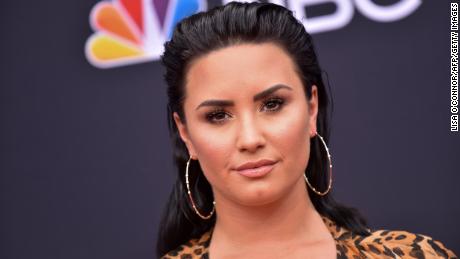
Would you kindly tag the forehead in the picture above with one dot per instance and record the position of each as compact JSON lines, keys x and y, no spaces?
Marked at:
{"x":239,"y":69}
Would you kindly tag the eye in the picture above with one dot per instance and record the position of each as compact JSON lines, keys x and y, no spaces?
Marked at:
{"x":216,"y":116}
{"x":273,"y":104}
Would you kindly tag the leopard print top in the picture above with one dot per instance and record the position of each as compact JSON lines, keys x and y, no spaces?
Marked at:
{"x":380,"y":244}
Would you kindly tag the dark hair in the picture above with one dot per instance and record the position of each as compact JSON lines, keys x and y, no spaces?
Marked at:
{"x":223,"y":26}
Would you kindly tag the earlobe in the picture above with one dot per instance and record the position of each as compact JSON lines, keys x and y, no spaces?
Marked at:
{"x":313,"y":110}
{"x":180,"y":127}
{"x":177,"y":120}
{"x":183,"y":133}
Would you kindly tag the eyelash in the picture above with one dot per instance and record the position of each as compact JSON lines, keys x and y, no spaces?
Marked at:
{"x":212,"y":115}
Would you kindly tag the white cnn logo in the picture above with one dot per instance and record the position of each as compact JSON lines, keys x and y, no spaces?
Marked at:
{"x":345,"y":11}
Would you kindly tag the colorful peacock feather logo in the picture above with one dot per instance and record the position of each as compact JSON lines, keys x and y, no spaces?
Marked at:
{"x":133,"y":31}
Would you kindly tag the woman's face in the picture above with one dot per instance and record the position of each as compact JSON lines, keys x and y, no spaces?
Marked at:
{"x":246,"y":103}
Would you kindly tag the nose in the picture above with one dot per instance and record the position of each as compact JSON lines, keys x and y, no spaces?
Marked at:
{"x":250,"y":135}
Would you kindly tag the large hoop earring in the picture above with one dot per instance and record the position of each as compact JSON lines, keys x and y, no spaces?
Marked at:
{"x":330,"y":170}
{"x":190,"y":195}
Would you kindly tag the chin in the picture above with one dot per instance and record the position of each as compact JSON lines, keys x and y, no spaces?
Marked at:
{"x":258,"y":195}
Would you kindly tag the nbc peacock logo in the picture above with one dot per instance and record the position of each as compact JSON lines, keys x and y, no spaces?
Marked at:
{"x":134,"y":31}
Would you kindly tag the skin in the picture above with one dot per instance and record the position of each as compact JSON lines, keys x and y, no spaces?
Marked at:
{"x":270,"y":216}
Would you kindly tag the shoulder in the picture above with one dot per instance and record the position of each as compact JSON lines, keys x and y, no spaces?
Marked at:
{"x":194,"y":248}
{"x":386,"y":244}
{"x":402,"y":244}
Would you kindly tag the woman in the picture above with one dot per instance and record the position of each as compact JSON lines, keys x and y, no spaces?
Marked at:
{"x":248,"y":117}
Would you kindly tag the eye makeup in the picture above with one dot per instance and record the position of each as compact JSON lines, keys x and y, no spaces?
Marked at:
{"x":271,"y":104}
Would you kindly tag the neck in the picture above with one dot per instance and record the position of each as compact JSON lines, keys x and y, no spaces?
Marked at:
{"x":292,"y":218}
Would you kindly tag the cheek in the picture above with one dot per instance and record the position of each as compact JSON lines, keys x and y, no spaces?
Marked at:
{"x":213,"y":150}
{"x":292,"y":139}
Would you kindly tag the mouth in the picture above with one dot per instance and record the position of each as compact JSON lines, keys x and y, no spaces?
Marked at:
{"x":257,"y":169}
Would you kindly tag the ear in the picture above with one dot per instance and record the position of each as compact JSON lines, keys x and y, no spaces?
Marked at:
{"x":183,"y":132}
{"x":313,"y":111}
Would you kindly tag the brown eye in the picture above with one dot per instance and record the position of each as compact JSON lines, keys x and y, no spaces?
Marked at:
{"x":217,"y":116}
{"x":273,"y":104}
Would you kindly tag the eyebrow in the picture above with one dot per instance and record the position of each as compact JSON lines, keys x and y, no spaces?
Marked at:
{"x":261,"y":95}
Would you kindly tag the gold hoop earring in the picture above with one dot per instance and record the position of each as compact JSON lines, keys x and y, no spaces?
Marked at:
{"x":190,"y":195}
{"x":330,"y":170}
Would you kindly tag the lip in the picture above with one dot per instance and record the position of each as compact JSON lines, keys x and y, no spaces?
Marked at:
{"x":256,"y":164}
{"x":256,"y":169}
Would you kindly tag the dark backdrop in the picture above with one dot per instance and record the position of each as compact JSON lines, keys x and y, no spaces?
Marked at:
{"x":86,"y":162}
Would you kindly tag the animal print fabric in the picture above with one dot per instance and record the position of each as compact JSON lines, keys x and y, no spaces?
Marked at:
{"x":380,"y":244}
